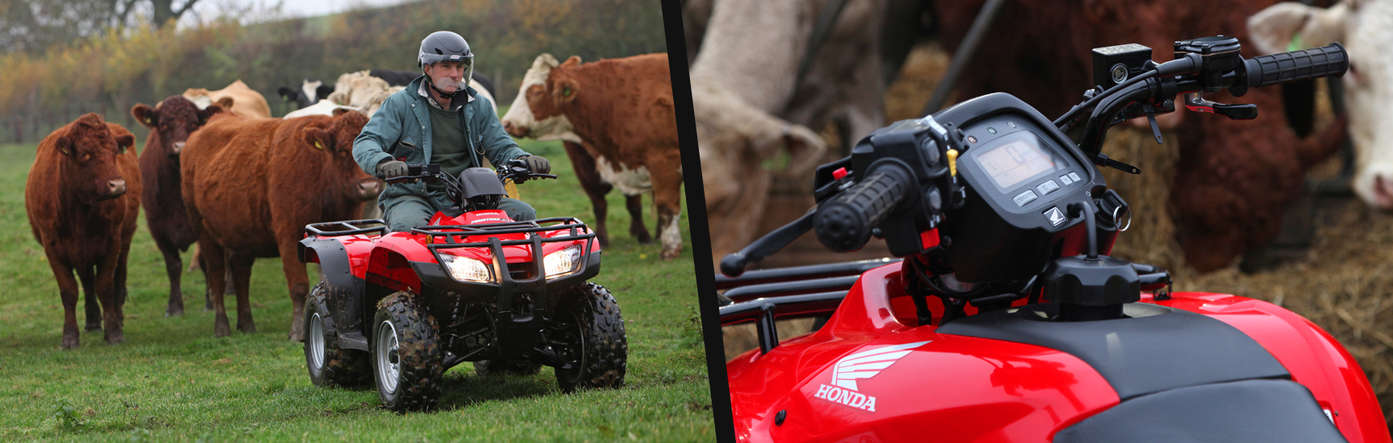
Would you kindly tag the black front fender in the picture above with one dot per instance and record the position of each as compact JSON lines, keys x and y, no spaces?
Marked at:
{"x":333,"y":263}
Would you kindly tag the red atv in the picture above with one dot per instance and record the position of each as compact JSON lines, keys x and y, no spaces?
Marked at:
{"x":1005,"y":320}
{"x":473,"y":285}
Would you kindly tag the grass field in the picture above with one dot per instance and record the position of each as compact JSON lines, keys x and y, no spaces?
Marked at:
{"x":172,"y":380}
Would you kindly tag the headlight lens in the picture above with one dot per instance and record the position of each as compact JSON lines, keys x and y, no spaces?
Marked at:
{"x":562,"y":262}
{"x":466,"y":269}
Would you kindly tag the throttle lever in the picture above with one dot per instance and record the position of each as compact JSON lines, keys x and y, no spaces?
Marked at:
{"x":1195,"y":103}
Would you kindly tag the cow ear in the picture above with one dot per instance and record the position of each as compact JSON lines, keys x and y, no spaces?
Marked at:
{"x":145,"y":115}
{"x":286,"y":93}
{"x":65,"y":145}
{"x":323,"y":91}
{"x":805,"y":148}
{"x":123,"y":142}
{"x":565,"y":91}
{"x":572,"y":61}
{"x":318,"y":138}
{"x":1290,"y":26}
{"x":207,"y":113}
{"x":225,"y":102}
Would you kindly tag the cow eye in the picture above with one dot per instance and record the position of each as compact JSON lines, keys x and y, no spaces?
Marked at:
{"x":85,"y":157}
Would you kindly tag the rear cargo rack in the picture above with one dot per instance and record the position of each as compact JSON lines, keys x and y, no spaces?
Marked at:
{"x":347,"y":227}
{"x":765,"y":295}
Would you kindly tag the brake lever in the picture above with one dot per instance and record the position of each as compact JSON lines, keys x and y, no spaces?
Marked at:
{"x":1247,"y":111}
{"x":1104,"y":160}
{"x":1155,"y":128}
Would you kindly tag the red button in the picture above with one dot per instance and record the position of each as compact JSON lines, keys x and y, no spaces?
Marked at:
{"x":929,"y":238}
{"x":839,"y":174}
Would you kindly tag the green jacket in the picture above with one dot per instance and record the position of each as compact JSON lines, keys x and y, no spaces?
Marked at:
{"x":405,"y":117}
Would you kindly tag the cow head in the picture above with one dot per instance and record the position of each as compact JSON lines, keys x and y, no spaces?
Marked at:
{"x":1361,"y":26}
{"x":310,"y":92}
{"x":171,"y":121}
{"x":333,"y":139}
{"x":740,"y":148}
{"x":87,"y":149}
{"x":536,"y":111}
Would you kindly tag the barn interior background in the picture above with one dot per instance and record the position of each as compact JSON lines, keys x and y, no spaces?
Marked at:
{"x":79,"y":56}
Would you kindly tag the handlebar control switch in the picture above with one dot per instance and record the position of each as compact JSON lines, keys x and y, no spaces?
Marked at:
{"x":1115,"y":64}
{"x":1219,"y":57}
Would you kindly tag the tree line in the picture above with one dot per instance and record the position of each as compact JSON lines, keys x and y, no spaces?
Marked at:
{"x":112,"y":69}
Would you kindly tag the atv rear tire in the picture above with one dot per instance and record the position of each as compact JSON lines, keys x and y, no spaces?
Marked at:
{"x":489,"y":368}
{"x":592,"y":340}
{"x":405,"y":354}
{"x":328,"y":364}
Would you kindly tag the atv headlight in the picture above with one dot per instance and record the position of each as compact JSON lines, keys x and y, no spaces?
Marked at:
{"x":562,"y":262}
{"x":466,"y":269}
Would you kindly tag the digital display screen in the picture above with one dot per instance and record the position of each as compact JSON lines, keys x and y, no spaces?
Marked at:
{"x":1011,"y":163}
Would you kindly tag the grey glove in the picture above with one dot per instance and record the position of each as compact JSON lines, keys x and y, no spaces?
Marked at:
{"x":391,"y":168}
{"x":537,"y":164}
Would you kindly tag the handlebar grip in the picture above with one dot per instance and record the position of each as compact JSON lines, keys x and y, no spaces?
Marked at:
{"x":413,"y":172}
{"x":844,"y":222}
{"x":1328,"y":60}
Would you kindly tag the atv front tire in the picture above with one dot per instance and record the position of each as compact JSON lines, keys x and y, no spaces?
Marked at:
{"x":328,"y":364}
{"x":593,"y":344}
{"x":405,"y":354}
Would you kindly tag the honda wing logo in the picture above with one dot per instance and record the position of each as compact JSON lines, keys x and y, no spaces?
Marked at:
{"x":860,"y":366}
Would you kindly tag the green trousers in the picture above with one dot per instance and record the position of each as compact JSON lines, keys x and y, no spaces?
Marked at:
{"x":409,"y":211}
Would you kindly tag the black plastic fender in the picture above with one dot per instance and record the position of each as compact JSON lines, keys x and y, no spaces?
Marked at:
{"x":344,"y":289}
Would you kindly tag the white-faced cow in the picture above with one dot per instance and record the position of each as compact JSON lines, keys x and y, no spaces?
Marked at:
{"x":621,"y":111}
{"x":1364,"y":28}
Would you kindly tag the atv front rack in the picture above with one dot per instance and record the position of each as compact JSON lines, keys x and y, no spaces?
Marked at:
{"x":454,"y":235}
{"x":347,"y":227}
{"x":763,"y":296}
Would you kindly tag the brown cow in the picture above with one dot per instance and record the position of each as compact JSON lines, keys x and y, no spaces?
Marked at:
{"x":245,"y":101}
{"x":170,"y":122}
{"x":83,"y":197}
{"x":251,"y":186}
{"x":621,"y":111}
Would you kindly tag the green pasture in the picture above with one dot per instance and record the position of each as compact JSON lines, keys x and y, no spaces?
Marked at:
{"x":173,"y":380}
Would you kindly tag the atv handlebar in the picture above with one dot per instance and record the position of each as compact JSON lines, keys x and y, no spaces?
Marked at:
{"x":432,"y":171}
{"x":1283,"y":67}
{"x":844,"y":222}
{"x":1194,"y":73}
{"x":413,"y":172}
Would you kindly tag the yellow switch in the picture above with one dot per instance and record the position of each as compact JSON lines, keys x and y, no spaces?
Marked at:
{"x":953,"y":162}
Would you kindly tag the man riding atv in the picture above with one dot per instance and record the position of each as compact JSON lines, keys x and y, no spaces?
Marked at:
{"x":437,"y":119}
